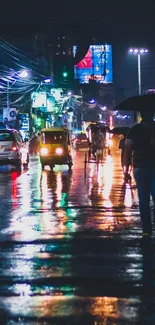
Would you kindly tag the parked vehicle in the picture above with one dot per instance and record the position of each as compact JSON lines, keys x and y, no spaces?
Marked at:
{"x":10,"y":148}
{"x":55,"y":147}
{"x":80,"y":142}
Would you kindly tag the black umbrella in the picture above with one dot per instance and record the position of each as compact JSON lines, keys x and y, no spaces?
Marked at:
{"x":96,"y":126}
{"x":137,"y":103}
{"x":120,"y":130}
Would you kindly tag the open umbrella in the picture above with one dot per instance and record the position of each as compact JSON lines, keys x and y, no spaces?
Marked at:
{"x":137,"y":103}
{"x":95,"y":126}
{"x":120,"y":130}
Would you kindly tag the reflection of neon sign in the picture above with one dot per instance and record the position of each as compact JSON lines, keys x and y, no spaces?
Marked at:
{"x":96,"y":65}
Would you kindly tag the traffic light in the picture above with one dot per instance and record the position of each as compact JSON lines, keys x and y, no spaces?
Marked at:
{"x":38,"y":121}
{"x":65,"y":74}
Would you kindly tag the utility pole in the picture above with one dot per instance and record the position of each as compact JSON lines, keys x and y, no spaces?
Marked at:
{"x":8,"y":88}
{"x":139,"y":75}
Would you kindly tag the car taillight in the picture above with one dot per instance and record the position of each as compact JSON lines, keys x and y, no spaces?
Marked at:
{"x":14,"y":148}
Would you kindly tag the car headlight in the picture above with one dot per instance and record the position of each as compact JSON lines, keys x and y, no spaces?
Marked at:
{"x":59,"y":151}
{"x":44,"y":151}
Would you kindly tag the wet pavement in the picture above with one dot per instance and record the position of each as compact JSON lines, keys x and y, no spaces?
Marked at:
{"x":71,"y":249}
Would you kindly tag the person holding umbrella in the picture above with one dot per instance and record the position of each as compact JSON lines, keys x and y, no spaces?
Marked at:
{"x":121,"y":146}
{"x":140,"y":143}
{"x":122,"y":130}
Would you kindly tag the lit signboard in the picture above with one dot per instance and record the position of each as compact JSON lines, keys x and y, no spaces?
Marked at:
{"x":38,"y":99}
{"x":96,"y":65}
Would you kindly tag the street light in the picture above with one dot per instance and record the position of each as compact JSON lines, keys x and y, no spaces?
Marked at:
{"x":139,"y":52}
{"x":92,"y":101}
{"x":21,"y":74}
{"x":47,"y":81}
{"x":69,"y":93}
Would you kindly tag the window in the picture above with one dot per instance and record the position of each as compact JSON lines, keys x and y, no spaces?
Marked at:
{"x":6,"y":136}
{"x":53,"y":137}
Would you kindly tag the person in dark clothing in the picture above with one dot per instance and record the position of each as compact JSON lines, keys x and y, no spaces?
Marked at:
{"x":98,"y":142}
{"x":121,"y":146}
{"x":140,"y":143}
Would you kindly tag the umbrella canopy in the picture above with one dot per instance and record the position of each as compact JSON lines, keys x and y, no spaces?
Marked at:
{"x":120,"y":130}
{"x":94,"y":127}
{"x":137,"y":103}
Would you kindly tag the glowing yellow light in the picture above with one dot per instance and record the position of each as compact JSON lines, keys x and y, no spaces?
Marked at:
{"x":44,"y":151}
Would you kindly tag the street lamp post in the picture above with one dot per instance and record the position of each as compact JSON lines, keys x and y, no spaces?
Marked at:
{"x":139,"y":52}
{"x":7,"y":94}
{"x":139,"y":76}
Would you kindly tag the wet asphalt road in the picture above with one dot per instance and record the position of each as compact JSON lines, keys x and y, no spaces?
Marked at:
{"x":70,"y":247}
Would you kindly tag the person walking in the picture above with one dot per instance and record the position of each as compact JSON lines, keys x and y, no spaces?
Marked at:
{"x":121,"y":146}
{"x":99,"y":143}
{"x":140,"y":144}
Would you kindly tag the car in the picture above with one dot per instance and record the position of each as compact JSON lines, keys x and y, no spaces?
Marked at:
{"x":80,"y":142}
{"x":10,"y":148}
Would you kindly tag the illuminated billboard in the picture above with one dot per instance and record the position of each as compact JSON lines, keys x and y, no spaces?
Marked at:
{"x":96,"y":65}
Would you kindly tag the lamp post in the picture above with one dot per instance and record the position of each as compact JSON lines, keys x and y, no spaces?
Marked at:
{"x":46,"y":81}
{"x":139,"y":52}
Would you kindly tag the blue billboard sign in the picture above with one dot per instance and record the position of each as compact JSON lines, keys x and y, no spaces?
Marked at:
{"x":24,"y":118}
{"x":96,"y":65}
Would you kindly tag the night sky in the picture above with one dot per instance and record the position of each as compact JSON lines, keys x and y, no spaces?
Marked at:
{"x":121,"y":20}
{"x":121,"y":23}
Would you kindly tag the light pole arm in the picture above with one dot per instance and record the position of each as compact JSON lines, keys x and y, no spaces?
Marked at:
{"x":139,"y":75}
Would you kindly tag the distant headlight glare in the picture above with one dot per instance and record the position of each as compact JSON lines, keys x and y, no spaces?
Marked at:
{"x":44,"y":151}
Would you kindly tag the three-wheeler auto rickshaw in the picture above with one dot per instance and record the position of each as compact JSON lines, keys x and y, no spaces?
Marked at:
{"x":55,"y":147}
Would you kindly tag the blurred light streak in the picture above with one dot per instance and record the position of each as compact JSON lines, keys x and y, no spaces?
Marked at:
{"x":59,"y":187}
{"x":14,"y":189}
{"x":44,"y":190}
{"x":108,"y":181}
{"x":128,"y":196}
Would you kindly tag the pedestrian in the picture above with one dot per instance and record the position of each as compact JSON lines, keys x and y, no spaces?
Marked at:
{"x":121,"y":146}
{"x":140,"y":146}
{"x":99,"y":141}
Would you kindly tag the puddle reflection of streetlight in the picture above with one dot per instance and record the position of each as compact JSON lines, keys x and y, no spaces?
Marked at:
{"x":14,"y":190}
{"x":44,"y":190}
{"x":108,"y":309}
{"x":25,"y":193}
{"x":128,"y":199}
{"x":108,"y":181}
{"x":58,"y":188}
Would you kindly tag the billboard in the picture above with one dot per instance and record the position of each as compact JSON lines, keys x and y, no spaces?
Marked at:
{"x":9,"y":114}
{"x":24,"y":118}
{"x":39,"y":99}
{"x":96,"y":65}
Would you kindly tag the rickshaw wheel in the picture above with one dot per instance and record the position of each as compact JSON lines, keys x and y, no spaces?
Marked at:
{"x":42,"y":166}
{"x":70,"y":166}
{"x":51,"y":166}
